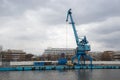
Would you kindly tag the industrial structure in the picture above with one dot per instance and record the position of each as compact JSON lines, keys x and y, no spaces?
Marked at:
{"x":82,"y":43}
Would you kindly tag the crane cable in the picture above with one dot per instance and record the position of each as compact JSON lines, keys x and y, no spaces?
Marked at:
{"x":66,"y":36}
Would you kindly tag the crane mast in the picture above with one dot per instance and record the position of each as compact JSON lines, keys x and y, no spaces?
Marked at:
{"x":82,"y":44}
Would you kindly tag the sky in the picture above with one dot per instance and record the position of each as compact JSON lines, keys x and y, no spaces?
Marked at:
{"x":35,"y":25}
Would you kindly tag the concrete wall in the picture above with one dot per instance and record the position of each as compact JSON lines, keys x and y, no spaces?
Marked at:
{"x":29,"y":63}
{"x":104,"y":62}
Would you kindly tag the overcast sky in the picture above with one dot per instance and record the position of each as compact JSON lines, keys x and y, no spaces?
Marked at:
{"x":34,"y":25}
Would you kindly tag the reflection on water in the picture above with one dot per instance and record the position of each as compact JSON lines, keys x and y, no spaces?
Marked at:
{"x":84,"y":74}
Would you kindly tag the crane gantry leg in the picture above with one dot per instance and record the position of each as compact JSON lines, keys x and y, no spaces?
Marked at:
{"x":90,"y":59}
{"x":79,"y":56}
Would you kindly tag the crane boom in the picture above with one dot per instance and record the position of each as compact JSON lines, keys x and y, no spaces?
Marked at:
{"x":73,"y":26}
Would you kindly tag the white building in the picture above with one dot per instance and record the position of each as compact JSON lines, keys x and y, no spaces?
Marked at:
{"x":57,"y":51}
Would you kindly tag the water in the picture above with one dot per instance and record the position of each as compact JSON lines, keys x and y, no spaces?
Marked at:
{"x":96,"y":74}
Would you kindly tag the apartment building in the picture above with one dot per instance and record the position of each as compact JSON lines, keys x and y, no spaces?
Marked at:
{"x":13,"y":55}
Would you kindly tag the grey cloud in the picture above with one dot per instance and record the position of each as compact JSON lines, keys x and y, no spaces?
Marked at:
{"x":111,"y":41}
{"x":18,"y":7}
{"x":93,"y":11}
{"x":84,"y":11}
{"x":106,"y":33}
{"x":107,"y":27}
{"x":40,"y":22}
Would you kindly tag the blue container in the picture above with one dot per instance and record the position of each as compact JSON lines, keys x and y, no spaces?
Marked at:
{"x":39,"y":63}
{"x":62,"y":61}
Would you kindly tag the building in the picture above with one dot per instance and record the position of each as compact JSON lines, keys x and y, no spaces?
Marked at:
{"x":56,"y":53}
{"x":107,"y":55}
{"x":110,"y":56}
{"x":59,"y":51}
{"x":116,"y":56}
{"x":13,"y":55}
{"x":29,"y":57}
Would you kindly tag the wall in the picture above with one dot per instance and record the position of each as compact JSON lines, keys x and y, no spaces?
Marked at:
{"x":30,"y":63}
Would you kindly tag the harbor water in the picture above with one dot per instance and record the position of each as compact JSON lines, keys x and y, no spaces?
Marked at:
{"x":83,"y":74}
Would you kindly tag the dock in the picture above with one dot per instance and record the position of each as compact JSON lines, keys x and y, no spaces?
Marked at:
{"x":27,"y":66}
{"x":60,"y":67}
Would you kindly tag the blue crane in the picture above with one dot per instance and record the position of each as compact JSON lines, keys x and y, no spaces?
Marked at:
{"x":82,"y":44}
